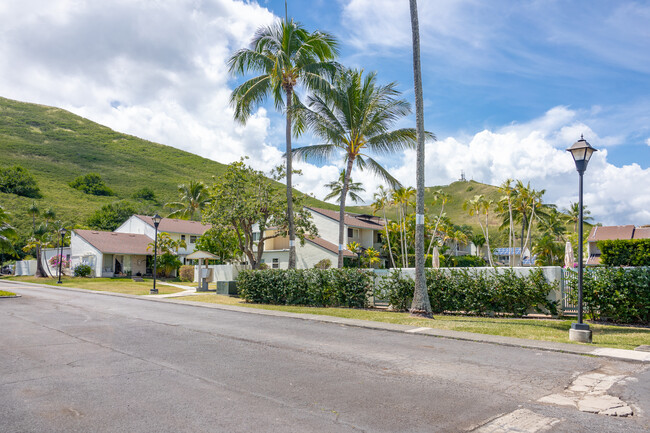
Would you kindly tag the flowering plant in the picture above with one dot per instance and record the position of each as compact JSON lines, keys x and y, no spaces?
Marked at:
{"x":54,"y":261}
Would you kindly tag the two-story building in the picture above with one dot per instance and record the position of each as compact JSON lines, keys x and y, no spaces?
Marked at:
{"x":612,"y":233}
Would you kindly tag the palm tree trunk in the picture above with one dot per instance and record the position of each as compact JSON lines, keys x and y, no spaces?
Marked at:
{"x":523,"y":229}
{"x":511,"y":236}
{"x":292,"y":229}
{"x":344,"y":193}
{"x":530,"y":226}
{"x":421,"y":305}
{"x":401,"y":234}
{"x":40,"y":272}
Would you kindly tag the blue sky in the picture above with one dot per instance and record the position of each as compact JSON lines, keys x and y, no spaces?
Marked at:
{"x":507,"y":85}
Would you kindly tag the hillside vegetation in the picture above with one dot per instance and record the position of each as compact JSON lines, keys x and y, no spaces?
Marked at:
{"x":56,"y":147}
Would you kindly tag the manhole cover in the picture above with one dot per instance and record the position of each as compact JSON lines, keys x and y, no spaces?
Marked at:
{"x":644,"y":348}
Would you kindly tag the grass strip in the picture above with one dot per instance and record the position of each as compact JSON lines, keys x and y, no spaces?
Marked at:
{"x":4,"y":293}
{"x":556,"y":330}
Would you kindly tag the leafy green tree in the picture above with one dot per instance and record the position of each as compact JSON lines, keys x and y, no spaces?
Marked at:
{"x":111,"y":216}
{"x":504,"y":205}
{"x":336,"y":188}
{"x":145,"y":193}
{"x":248,"y":203}
{"x":352,"y":118}
{"x":17,"y":180}
{"x":41,"y":238}
{"x":220,"y":241}
{"x":549,"y":252}
{"x":287,"y":55}
{"x":193,"y":198}
{"x":167,"y":260}
{"x":91,"y":183}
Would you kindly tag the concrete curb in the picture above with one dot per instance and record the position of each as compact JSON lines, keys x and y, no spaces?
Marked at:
{"x":575,"y":349}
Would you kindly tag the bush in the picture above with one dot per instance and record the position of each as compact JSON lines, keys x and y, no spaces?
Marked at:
{"x":82,"y":270}
{"x":144,"y":194}
{"x":323,"y":264}
{"x":186,"y":273}
{"x":479,"y":293}
{"x":617,"y":294}
{"x":92,"y":183}
{"x":111,"y":216}
{"x":166,"y":264}
{"x":625,"y":252}
{"x":17,"y":180}
{"x":314,"y":287}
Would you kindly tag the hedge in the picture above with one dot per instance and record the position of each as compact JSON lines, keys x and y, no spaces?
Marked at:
{"x":313,"y":287}
{"x":625,"y":252}
{"x":616,"y":294}
{"x":478,"y":293}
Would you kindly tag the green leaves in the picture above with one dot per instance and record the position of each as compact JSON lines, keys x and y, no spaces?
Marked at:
{"x":625,"y":252}
{"x":91,"y":183}
{"x":17,"y":180}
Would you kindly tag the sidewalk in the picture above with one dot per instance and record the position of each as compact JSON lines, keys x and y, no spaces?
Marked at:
{"x":577,"y":349}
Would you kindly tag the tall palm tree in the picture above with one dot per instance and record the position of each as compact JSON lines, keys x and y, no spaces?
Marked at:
{"x":421,"y":305}
{"x":479,"y":206}
{"x":509,"y":194}
{"x":402,"y":197}
{"x":40,"y":239}
{"x":287,"y":55}
{"x":193,"y":197}
{"x":33,"y":211}
{"x":7,"y":233}
{"x":573,"y":215}
{"x":336,"y":187}
{"x":382,"y":199}
{"x":354,"y":117}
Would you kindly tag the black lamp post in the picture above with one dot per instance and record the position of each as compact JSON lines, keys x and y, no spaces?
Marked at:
{"x":156,"y":220}
{"x":62,"y":231}
{"x":581,"y":152}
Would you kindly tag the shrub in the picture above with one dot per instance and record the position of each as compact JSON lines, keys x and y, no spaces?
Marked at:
{"x":262,"y":266}
{"x":617,"y":294}
{"x":166,"y":264}
{"x":144,"y":194}
{"x":473,"y":292}
{"x":323,"y":264}
{"x":82,"y":270}
{"x":91,"y":183}
{"x":314,"y":287}
{"x":625,"y":252}
{"x":111,"y":216}
{"x":186,"y":273}
{"x":17,"y":180}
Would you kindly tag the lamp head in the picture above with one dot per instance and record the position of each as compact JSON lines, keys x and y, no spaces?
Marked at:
{"x":62,"y":231}
{"x":156,"y":219}
{"x":581,"y":151}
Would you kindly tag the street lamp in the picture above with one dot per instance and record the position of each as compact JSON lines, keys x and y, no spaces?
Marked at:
{"x":62,"y":231}
{"x":581,"y":152}
{"x":156,"y":220}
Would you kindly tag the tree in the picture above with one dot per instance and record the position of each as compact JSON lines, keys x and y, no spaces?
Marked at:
{"x":573,"y":215}
{"x":549,"y":252}
{"x":336,"y":187}
{"x":91,"y":183}
{"x":49,"y":215}
{"x":478,"y":239}
{"x":7,"y":234}
{"x":354,"y":117}
{"x":220,"y":241}
{"x":40,"y":239}
{"x":17,"y":180}
{"x":193,"y":198}
{"x":167,"y":260}
{"x":111,"y":216}
{"x":382,"y":199}
{"x":33,"y":211}
{"x":506,"y":202}
{"x":421,"y":305}
{"x":443,"y":197}
{"x":144,"y":194}
{"x":402,"y":198}
{"x":249,"y":204}
{"x":287,"y":55}
{"x":479,"y":206}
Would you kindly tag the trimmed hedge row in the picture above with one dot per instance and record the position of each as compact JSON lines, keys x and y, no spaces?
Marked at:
{"x":479,"y":293}
{"x":620,"y":295}
{"x":625,"y":252}
{"x":313,"y":287}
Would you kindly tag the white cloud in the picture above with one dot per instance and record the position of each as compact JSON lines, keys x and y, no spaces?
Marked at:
{"x":647,"y":142}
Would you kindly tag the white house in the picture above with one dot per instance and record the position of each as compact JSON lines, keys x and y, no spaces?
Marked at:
{"x":178,"y":229}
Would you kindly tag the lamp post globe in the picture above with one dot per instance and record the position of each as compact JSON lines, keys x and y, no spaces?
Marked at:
{"x":156,"y":221}
{"x":581,"y":151}
{"x":62,"y":232}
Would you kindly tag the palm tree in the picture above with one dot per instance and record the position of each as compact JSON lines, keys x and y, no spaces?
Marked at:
{"x":443,"y":197}
{"x":573,"y":215}
{"x":507,"y":200}
{"x":401,"y":197}
{"x":479,"y":206}
{"x":39,"y":240}
{"x":193,"y":197}
{"x":7,"y":233}
{"x":49,"y":215}
{"x":33,"y":211}
{"x":287,"y":55}
{"x":352,"y":118}
{"x":382,"y":199}
{"x":336,"y":188}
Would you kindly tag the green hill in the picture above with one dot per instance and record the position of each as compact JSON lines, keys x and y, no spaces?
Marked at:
{"x":56,"y":146}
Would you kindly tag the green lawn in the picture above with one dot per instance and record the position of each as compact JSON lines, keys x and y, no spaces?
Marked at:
{"x":621,"y":337}
{"x":3,"y":293}
{"x":116,"y":285}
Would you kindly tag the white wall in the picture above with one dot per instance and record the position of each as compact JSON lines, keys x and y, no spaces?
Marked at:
{"x":83,"y":252}
{"x":328,"y":229}
{"x":25,"y":267}
{"x":47,"y":254}
{"x":137,"y":226}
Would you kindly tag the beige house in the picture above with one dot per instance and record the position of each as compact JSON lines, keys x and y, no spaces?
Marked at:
{"x":603,"y":233}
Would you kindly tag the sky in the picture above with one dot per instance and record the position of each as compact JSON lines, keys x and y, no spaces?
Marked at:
{"x":508,"y":86}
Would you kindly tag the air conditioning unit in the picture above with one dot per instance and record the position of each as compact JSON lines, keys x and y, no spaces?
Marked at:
{"x":227,"y":288}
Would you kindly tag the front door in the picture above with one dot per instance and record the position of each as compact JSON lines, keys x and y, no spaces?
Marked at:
{"x":118,"y":265}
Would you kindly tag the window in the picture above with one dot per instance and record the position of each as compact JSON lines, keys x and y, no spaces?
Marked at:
{"x":378,"y":237}
{"x":182,"y":237}
{"x":256,"y":236}
{"x":276,"y":263}
{"x":353,"y":233}
{"x":192,"y":239}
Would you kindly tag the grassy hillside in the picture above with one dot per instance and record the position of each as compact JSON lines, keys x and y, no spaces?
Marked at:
{"x":56,"y":146}
{"x":459,"y":192}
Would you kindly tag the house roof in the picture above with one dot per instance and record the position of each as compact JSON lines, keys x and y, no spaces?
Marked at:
{"x":641,"y":233}
{"x":506,"y":251}
{"x":352,"y":219}
{"x":171,"y":225}
{"x":328,"y":246}
{"x":611,"y":232}
{"x":116,"y":243}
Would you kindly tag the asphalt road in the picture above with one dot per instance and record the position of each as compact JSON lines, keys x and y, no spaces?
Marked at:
{"x":86,"y":362}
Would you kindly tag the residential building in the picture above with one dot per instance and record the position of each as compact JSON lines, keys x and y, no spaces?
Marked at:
{"x":602,"y":233}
